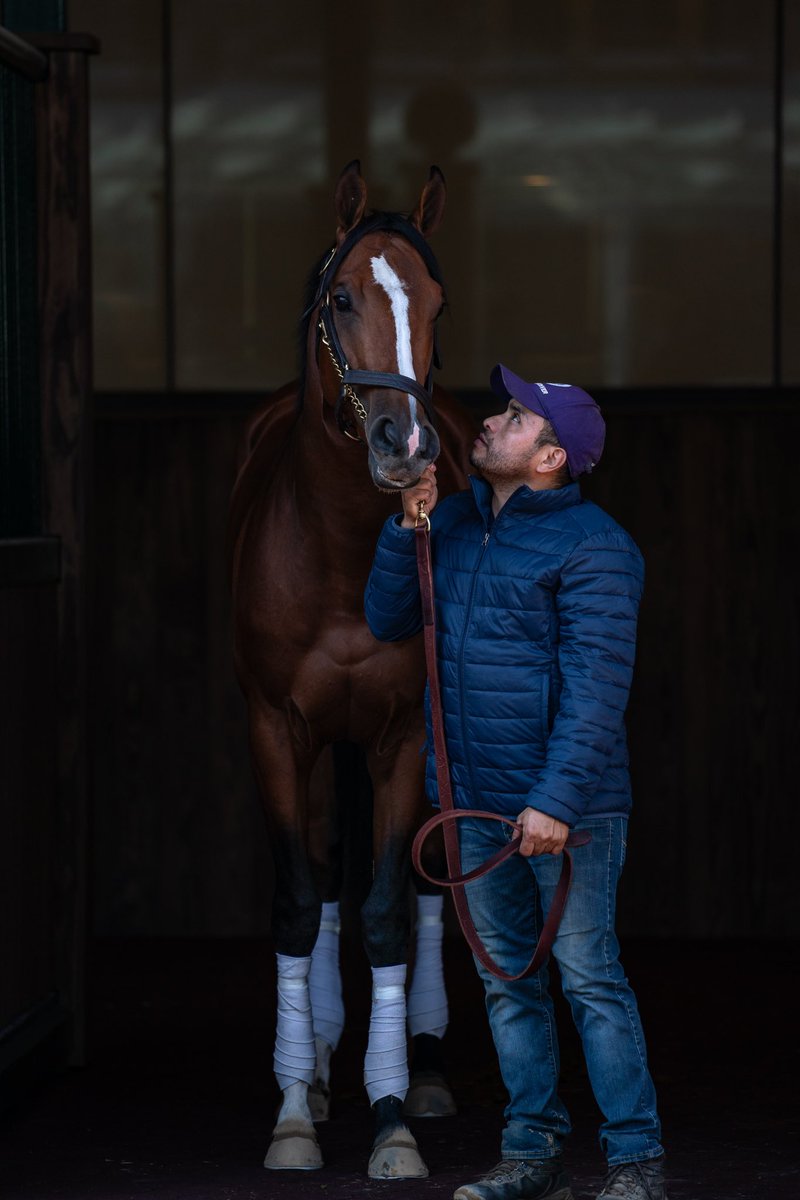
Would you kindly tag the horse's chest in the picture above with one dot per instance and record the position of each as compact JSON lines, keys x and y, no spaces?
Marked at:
{"x":347,"y":685}
{"x":345,"y":658}
{"x":304,"y":645}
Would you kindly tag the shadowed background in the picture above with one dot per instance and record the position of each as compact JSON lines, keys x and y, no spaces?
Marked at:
{"x":623,"y":212}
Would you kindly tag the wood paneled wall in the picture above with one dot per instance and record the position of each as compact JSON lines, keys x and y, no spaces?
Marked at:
{"x":179,"y":844}
{"x":30,"y":890}
{"x":709,"y":494}
{"x":714,"y":719}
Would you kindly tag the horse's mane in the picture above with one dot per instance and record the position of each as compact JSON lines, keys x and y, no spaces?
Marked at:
{"x":393,"y":222}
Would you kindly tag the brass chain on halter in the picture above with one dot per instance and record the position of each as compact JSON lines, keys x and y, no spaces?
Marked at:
{"x":347,"y":388}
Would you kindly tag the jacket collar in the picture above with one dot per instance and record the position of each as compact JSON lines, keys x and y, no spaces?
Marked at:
{"x":525,"y":500}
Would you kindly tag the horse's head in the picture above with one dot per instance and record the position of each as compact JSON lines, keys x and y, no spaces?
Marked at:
{"x":379,"y":297}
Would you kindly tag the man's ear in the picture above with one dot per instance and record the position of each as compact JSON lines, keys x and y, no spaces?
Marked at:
{"x":553,"y":460}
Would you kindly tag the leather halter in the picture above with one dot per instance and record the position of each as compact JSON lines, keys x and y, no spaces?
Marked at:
{"x":326,"y":326}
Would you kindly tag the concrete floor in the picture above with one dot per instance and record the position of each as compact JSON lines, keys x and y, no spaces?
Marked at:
{"x":178,"y":1098}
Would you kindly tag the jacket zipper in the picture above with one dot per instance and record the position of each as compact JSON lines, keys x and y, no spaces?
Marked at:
{"x":461,"y":690}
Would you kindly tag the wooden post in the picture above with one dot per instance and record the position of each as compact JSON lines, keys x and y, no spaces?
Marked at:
{"x":65,"y":364}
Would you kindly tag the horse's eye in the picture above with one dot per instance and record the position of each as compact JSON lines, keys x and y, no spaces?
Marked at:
{"x":342,"y":302}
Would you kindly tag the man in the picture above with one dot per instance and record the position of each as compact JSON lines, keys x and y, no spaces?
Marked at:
{"x":537,"y":599}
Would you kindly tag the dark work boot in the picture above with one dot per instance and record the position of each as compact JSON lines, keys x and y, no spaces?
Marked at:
{"x":636,"y":1181}
{"x":520,"y":1179}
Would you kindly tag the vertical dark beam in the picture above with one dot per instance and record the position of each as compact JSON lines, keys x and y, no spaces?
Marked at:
{"x":20,"y":489}
{"x":777,"y":199}
{"x":20,"y":507}
{"x":168,"y":249}
{"x":66,"y":383}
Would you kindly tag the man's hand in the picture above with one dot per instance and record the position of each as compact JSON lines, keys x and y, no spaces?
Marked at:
{"x":541,"y":834}
{"x":424,"y":489}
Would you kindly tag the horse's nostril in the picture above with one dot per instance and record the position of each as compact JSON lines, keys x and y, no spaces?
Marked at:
{"x":429,"y":445}
{"x":391,"y":438}
{"x":385,"y":436}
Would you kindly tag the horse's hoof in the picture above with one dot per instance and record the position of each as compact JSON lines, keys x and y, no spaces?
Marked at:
{"x":319,"y":1102}
{"x":397,"y":1158}
{"x":429,"y":1096}
{"x":294,"y":1147}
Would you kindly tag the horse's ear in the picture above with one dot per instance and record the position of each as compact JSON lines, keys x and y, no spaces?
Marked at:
{"x":428,"y":213}
{"x":351,"y":199}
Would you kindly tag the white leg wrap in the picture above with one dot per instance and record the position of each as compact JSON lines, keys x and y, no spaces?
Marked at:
{"x":386,"y":1062}
{"x":427,"y":998}
{"x":325,"y":980}
{"x":294,"y":1105}
{"x":294,"y":1037}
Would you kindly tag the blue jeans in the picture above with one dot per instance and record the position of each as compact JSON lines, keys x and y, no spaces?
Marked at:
{"x":506,"y":908}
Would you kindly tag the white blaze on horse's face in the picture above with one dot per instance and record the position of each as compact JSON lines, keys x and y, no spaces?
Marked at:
{"x":392,"y":284}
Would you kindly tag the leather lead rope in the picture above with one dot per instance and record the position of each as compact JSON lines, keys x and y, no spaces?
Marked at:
{"x":448,"y":815}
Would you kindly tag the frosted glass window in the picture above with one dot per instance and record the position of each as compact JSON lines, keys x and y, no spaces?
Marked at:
{"x":127,"y":191}
{"x":609,"y":166}
{"x":610,"y":170}
{"x":249,"y":135}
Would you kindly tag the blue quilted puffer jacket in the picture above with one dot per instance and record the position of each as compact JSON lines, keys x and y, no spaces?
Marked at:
{"x":536,"y":623}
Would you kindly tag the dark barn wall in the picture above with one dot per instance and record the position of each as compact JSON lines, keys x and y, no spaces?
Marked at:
{"x":714,"y":719}
{"x":179,"y":846}
{"x":707,"y":491}
{"x":29,"y":864}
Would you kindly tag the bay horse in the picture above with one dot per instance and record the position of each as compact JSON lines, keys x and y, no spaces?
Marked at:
{"x":323,"y":465}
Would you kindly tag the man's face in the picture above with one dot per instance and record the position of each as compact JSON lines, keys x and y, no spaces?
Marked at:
{"x":506,"y":446}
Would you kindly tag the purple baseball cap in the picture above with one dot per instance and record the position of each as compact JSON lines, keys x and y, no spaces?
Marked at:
{"x":574,"y":415}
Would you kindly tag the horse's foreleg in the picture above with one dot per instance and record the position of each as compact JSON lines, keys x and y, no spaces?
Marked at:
{"x":327,"y":814}
{"x":427,"y":998}
{"x":394,"y":1152}
{"x":429,"y":1094}
{"x":294,"y":1144}
{"x":327,"y":1007}
{"x":385,"y":927}
{"x":283,"y":779}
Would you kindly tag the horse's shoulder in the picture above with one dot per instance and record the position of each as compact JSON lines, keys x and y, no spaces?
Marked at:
{"x":261,"y":449}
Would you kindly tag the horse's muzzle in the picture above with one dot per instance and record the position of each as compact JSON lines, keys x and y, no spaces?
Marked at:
{"x":396,"y":478}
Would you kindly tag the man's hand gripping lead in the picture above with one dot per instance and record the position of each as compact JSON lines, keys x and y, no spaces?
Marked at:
{"x":423,"y":492}
{"x":541,"y":834}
